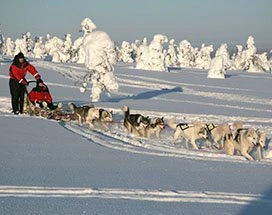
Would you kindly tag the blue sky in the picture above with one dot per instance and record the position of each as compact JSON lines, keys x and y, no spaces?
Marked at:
{"x":198,"y":21}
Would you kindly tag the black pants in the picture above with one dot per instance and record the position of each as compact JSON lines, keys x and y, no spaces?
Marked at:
{"x":17,"y":92}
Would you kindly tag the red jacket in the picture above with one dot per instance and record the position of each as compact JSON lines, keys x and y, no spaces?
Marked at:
{"x":39,"y":95}
{"x":19,"y":73}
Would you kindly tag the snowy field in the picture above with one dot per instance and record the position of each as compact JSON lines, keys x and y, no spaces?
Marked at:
{"x":51,"y":167}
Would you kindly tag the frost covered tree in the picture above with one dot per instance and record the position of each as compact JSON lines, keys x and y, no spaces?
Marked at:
{"x":152,"y":56}
{"x":238,"y":62}
{"x":223,"y":52}
{"x":29,"y":44}
{"x":39,"y":49}
{"x":20,"y":45}
{"x":157,"y":53}
{"x":171,"y":58}
{"x":87,"y":26}
{"x":186,"y":56}
{"x":270,"y":61}
{"x":203,"y":57}
{"x":67,"y":45}
{"x":143,"y":56}
{"x":9,"y":47}
{"x":253,"y":61}
{"x":1,"y":42}
{"x":55,"y":48}
{"x":217,"y":68}
{"x":100,"y":56}
{"x":126,"y":52}
{"x":135,"y":49}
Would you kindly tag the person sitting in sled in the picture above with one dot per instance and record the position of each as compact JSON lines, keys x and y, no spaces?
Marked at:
{"x":17,"y":81}
{"x":40,"y":96}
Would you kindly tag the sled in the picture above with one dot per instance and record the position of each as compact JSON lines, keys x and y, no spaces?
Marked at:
{"x":34,"y":105}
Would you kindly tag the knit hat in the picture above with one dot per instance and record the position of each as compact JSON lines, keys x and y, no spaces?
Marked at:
{"x":20,"y":55}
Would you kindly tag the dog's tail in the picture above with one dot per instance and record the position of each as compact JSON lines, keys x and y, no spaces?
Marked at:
{"x":172,"y":123}
{"x":125,"y":109}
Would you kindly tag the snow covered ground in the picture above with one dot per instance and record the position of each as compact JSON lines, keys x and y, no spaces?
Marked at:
{"x":48,"y":167}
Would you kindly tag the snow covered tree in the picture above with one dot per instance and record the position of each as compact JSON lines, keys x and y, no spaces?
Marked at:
{"x":126,"y":52}
{"x":171,"y":58}
{"x":9,"y":47}
{"x":185,"y":54}
{"x":238,"y":62}
{"x":1,"y":42}
{"x":29,"y":44}
{"x":157,"y":53}
{"x":20,"y":45}
{"x":39,"y":49}
{"x":203,"y":57}
{"x":217,"y":68}
{"x":87,"y":26}
{"x":143,"y":56}
{"x":223,"y":51}
{"x":100,"y":56}
{"x":55,"y":48}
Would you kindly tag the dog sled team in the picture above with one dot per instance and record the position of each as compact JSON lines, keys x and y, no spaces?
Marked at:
{"x":232,"y":138}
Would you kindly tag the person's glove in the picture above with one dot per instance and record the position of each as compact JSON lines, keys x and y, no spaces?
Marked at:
{"x":23,"y":81}
{"x":37,"y":77}
{"x":39,"y":81}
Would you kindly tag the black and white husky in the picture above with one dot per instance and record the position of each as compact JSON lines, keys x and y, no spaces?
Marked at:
{"x":105,"y":117}
{"x":85,"y":114}
{"x":135,"y":123}
{"x":155,"y":126}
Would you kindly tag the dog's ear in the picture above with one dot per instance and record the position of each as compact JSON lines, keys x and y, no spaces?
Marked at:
{"x":251,"y":131}
{"x":111,"y":112}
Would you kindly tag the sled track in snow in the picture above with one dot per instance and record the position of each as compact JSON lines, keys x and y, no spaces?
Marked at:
{"x":116,"y":139}
{"x":135,"y":194}
{"x":138,"y":81}
{"x":157,"y":84}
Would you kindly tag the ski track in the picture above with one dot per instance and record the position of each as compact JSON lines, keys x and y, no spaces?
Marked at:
{"x":157,"y":84}
{"x":134,"y":194}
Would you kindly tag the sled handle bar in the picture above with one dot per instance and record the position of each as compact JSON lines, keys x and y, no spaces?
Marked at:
{"x":31,"y":82}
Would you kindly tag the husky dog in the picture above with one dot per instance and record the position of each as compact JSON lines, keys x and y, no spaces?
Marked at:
{"x":190,"y":132}
{"x":155,"y":127}
{"x":85,"y":114}
{"x":235,"y":126}
{"x":247,"y":139}
{"x":29,"y":108}
{"x":105,"y":117}
{"x":230,"y":146}
{"x":261,"y":144}
{"x":80,"y":113}
{"x":135,"y":123}
{"x":218,"y":132}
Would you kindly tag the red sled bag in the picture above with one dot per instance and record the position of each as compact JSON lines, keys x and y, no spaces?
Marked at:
{"x":40,"y":94}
